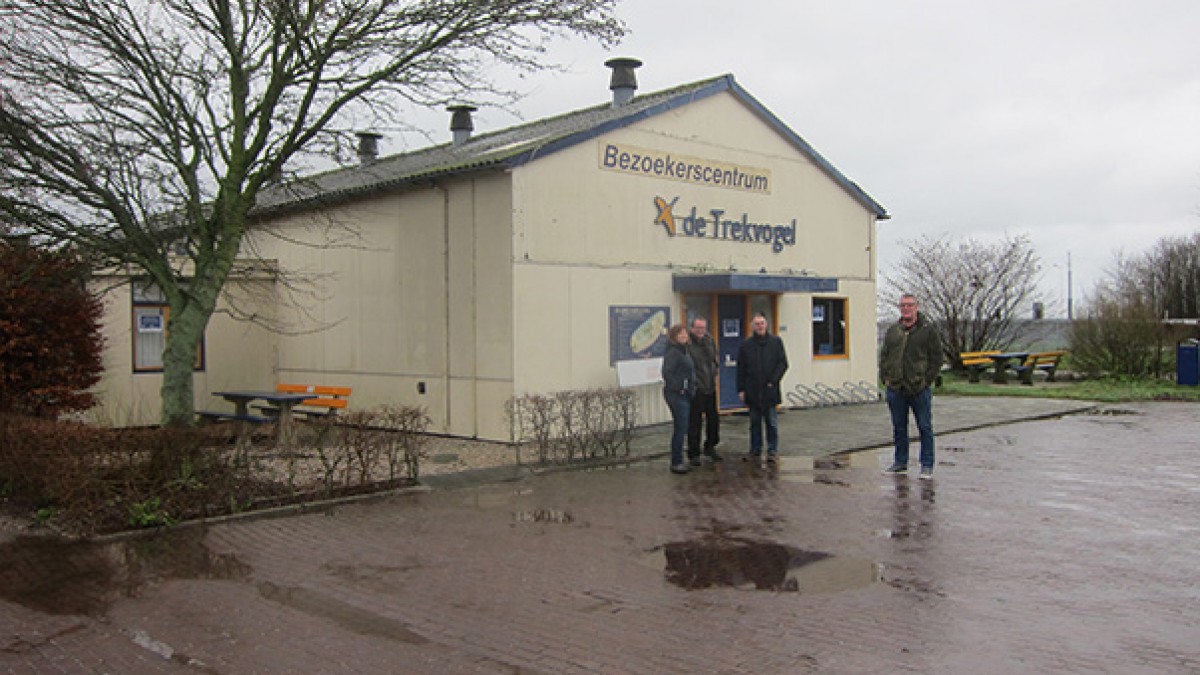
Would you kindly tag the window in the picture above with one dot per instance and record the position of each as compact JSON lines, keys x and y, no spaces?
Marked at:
{"x":765,"y":305}
{"x":150,"y":316}
{"x":698,"y":306}
{"x":829,"y":327}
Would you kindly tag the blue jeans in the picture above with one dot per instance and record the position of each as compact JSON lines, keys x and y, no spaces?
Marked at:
{"x":921,"y":404}
{"x":680,"y":410}
{"x":757,"y":417}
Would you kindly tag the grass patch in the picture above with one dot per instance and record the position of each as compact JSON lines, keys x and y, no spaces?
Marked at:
{"x":1107,"y":390}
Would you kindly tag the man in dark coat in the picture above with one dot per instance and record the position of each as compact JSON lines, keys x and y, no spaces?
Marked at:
{"x":762,"y":361}
{"x":704,"y":415}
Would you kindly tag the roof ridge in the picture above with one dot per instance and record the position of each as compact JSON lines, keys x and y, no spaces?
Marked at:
{"x":517,"y":144}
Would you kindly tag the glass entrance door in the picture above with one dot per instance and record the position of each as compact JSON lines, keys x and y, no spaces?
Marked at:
{"x":728,"y":319}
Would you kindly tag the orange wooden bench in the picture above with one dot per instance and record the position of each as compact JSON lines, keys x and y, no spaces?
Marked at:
{"x":326,"y":401}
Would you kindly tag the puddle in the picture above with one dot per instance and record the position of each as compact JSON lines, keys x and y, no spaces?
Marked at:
{"x":354,"y":619}
{"x":64,"y":577}
{"x":749,"y":564}
{"x":866,"y":459}
{"x":834,"y":470}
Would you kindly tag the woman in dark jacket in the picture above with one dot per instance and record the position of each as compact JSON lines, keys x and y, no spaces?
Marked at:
{"x":679,"y":384}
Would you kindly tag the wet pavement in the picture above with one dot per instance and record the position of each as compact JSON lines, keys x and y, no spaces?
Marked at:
{"x":1055,"y":537}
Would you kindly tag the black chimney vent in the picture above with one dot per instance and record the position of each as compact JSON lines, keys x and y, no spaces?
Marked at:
{"x":460,"y":122}
{"x":368,"y":146}
{"x":624,"y":82}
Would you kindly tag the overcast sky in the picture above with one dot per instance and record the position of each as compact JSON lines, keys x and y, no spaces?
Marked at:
{"x":1074,"y":122}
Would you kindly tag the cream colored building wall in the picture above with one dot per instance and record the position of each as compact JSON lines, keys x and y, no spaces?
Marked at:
{"x":561,"y":326}
{"x":585,"y":239}
{"x":239,"y":355}
{"x":413,"y":308}
{"x":481,"y":317}
{"x":607,"y":218}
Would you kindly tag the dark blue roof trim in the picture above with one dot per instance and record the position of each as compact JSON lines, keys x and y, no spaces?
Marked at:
{"x":848,"y":185}
{"x":751,"y":283}
{"x":720,"y":84}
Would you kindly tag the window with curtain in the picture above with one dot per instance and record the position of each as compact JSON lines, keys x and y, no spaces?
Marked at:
{"x":150,"y":315}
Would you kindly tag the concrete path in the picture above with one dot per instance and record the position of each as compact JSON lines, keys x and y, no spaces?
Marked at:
{"x":1067,"y":543}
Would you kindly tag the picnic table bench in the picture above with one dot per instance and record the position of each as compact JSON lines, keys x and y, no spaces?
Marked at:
{"x":1044,"y":361}
{"x":245,"y":420}
{"x":977,"y":363}
{"x":323,"y":400}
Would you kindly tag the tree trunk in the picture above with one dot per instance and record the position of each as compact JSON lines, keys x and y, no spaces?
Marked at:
{"x":179,"y":360}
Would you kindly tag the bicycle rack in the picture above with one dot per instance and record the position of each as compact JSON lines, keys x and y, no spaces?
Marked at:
{"x":821,"y":394}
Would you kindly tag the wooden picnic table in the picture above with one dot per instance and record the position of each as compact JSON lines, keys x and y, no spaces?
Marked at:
{"x":284,"y":401}
{"x":1001,"y":364}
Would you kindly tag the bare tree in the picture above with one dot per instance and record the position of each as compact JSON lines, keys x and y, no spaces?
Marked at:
{"x":1121,"y":337}
{"x":1122,"y":330}
{"x":142,"y":131}
{"x":976,"y":292}
{"x":1165,"y":280}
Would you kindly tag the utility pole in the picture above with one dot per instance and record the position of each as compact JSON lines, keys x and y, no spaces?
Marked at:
{"x":1070,"y":297}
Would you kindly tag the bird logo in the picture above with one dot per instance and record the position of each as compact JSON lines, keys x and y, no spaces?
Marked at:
{"x":665,"y":217}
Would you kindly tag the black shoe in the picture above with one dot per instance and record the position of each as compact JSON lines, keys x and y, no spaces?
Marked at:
{"x":679,"y":468}
{"x":694,"y":460}
{"x":714,"y":456}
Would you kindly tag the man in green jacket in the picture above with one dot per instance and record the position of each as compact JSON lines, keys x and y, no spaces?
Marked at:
{"x":909,"y":362}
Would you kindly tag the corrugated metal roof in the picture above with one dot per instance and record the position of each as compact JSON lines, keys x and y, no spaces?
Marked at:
{"x":517,"y":145}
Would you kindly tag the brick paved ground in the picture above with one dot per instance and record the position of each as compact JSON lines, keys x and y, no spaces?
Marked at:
{"x":1061,"y":545}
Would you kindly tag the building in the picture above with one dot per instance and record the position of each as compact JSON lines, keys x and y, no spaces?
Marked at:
{"x":552,"y":255}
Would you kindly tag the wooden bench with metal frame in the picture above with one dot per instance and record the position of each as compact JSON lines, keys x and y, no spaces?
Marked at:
{"x":1044,"y":361}
{"x":326,"y":400}
{"x":976,"y":363}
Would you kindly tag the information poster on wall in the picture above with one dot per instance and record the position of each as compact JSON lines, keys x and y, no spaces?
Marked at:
{"x":637,"y":332}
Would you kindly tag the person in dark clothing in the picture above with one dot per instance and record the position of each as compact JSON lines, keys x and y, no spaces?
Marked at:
{"x":704,"y":404}
{"x":762,"y":361}
{"x":909,"y":362}
{"x":679,"y":385}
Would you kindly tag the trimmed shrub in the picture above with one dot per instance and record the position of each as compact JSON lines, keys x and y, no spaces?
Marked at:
{"x":574,"y":425}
